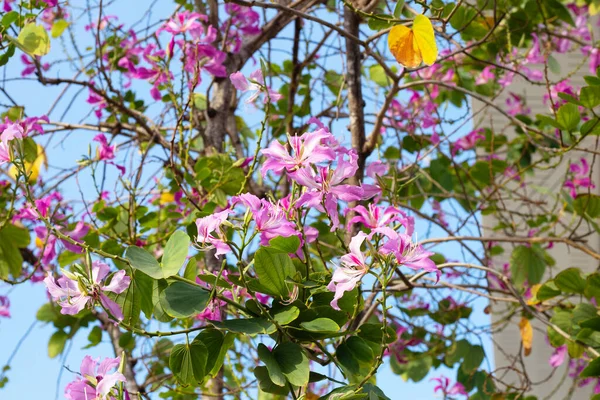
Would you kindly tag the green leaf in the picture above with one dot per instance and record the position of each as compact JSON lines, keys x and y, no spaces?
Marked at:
{"x":265,"y":383}
{"x":527,"y":264}
{"x":320,"y":325}
{"x":592,"y":323}
{"x":286,"y":315}
{"x":188,"y":362}
{"x":378,"y":75}
{"x":175,"y":254}
{"x":473,"y":359}
{"x":33,"y":40}
{"x":94,"y":337}
{"x":591,"y":127}
{"x":11,"y":239}
{"x":381,"y":21}
{"x":250,"y":326}
{"x":398,"y":9}
{"x":293,"y":363}
{"x":57,"y":342}
{"x":9,"y":18}
{"x":285,"y":244}
{"x":592,"y":80}
{"x":587,"y":205}
{"x":568,"y":116}
{"x":191,"y":269}
{"x":547,"y":291}
{"x":592,"y":288}
{"x":273,"y":268}
{"x":182,"y":300}
{"x":272,"y":365}
{"x":589,"y":97}
{"x":144,"y":261}
{"x":217,"y":344}
{"x":593,"y":369}
{"x":360,"y":350}
{"x":58,"y":27}
{"x":570,"y":281}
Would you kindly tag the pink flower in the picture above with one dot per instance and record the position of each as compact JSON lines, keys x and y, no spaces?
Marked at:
{"x":516,"y":105}
{"x":580,"y":177}
{"x":30,"y":67}
{"x":306,"y":150}
{"x":183,"y":22}
{"x":558,"y":357}
{"x":376,"y":168}
{"x":325,"y":188}
{"x":468,"y":141}
{"x":256,"y":86}
{"x":407,"y":253}
{"x":74,"y":293}
{"x":594,"y":54}
{"x":353,"y":268}
{"x":447,"y":390}
{"x":95,"y":381}
{"x":206,"y":226}
{"x":4,"y":153}
{"x":97,"y":101}
{"x":485,"y":76}
{"x":4,"y":307}
{"x":377,"y":217}
{"x":105,"y":152}
{"x":271,"y":219}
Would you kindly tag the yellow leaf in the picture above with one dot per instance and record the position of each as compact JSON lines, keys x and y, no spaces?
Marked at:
{"x":33,"y":40}
{"x":526,"y":335}
{"x":410,"y":47}
{"x":166,"y":198}
{"x":32,"y":169}
{"x":534,"y":289}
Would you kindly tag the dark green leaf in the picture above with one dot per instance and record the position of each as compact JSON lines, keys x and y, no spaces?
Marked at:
{"x":293,"y":363}
{"x":593,"y":369}
{"x":272,"y":365}
{"x":188,"y":362}
{"x":589,"y":96}
{"x":183,"y":300}
{"x":251,"y":326}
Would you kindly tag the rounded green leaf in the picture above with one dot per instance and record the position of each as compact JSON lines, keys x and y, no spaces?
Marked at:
{"x":144,"y":261}
{"x":270,"y":362}
{"x":293,"y":363}
{"x":182,"y":300}
{"x":175,"y":253}
{"x":570,"y":281}
{"x":188,"y":362}
{"x":320,"y":325}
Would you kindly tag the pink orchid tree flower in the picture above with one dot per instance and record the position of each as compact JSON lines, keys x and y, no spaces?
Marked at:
{"x":4,"y":153}
{"x":485,"y":76}
{"x":325,"y":188}
{"x":73,"y":293}
{"x":206,"y":226}
{"x":353,"y":268}
{"x":407,"y":253}
{"x":4,"y":307}
{"x":30,"y":66}
{"x":579,"y":177}
{"x":558,"y":356}
{"x":376,"y":217}
{"x":468,"y":141}
{"x":95,"y":381}
{"x":447,"y":389}
{"x":270,"y":219}
{"x":255,"y":86}
{"x":47,"y":241}
{"x":306,"y":150}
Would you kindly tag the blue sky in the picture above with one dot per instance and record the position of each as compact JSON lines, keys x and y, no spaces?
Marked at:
{"x":33,"y":374}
